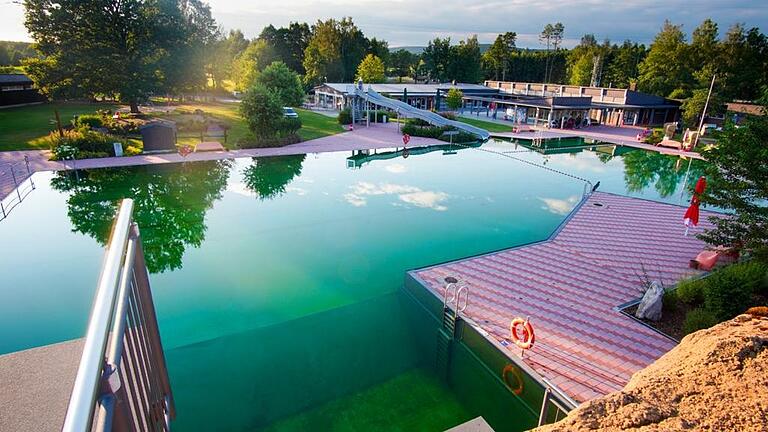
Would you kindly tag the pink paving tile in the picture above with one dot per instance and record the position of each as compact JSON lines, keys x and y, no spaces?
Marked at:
{"x":570,"y":287}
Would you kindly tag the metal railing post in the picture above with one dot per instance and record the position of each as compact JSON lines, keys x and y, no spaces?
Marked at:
{"x":544,"y":407}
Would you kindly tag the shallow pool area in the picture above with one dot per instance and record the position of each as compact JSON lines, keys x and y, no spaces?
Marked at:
{"x":278,"y":280}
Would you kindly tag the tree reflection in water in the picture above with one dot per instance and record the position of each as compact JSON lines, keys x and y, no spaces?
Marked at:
{"x":644,"y":168}
{"x":268,"y":176}
{"x":170,"y":204}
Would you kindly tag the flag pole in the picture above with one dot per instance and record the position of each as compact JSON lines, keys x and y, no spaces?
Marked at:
{"x":704,"y":112}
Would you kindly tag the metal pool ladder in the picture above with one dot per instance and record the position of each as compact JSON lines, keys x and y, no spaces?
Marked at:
{"x":447,"y":332}
{"x":122,"y":382}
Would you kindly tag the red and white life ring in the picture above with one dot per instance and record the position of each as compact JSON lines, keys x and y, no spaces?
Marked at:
{"x":525,"y":338}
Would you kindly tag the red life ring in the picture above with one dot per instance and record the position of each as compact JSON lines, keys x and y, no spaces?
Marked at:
{"x":526,"y":339}
{"x":185,"y":150}
{"x":406,"y":139}
{"x":517,"y":388}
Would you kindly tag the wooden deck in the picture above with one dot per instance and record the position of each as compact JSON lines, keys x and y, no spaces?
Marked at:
{"x":571,"y":286}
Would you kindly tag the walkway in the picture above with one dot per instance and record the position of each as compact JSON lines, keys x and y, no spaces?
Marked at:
{"x":626,"y":136}
{"x":376,"y":136}
{"x":571,"y":286}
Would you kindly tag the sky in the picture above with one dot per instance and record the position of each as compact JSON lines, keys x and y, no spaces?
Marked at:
{"x":414,"y":22}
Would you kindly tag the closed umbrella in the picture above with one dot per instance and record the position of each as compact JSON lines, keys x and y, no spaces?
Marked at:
{"x":691,"y":217}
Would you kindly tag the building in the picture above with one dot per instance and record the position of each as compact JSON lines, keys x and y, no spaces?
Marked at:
{"x":556,"y":104}
{"x":424,"y":96}
{"x":18,"y":89}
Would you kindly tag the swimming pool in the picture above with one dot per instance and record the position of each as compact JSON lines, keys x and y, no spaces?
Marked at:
{"x":276,"y":280}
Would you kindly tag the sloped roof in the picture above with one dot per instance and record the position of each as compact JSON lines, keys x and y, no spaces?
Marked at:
{"x":14,"y":79}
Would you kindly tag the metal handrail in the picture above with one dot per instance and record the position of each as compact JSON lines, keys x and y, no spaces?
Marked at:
{"x":122,"y":379}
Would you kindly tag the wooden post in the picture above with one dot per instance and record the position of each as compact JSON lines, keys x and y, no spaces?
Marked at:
{"x":58,"y":123}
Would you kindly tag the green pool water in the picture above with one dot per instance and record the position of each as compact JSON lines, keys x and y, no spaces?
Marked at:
{"x":276,"y":280}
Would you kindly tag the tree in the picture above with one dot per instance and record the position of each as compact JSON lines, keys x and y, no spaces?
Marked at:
{"x":693,"y":106}
{"x":581,"y":60}
{"x":622,"y":68}
{"x":284,"y":82}
{"x":454,"y":98}
{"x":371,"y":70}
{"x":122,"y":48}
{"x":268,"y":176}
{"x":437,"y":59}
{"x":499,"y":54}
{"x":743,"y":63}
{"x":552,"y":36}
{"x":401,"y":62}
{"x":288,"y":43}
{"x":379,"y":48}
{"x":170,"y":205}
{"x":334,"y":51}
{"x":225,"y":51}
{"x":465,"y":61}
{"x":666,"y":67}
{"x":737,"y":181}
{"x":262,"y":110}
{"x":247,"y":66}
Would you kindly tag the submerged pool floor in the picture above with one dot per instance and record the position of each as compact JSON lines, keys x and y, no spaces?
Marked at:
{"x":276,"y":279}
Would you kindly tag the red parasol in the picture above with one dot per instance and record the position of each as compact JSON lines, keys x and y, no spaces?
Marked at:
{"x":692,"y":214}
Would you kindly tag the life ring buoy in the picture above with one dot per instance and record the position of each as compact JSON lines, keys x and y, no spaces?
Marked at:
{"x":526,"y":338}
{"x":517,"y":388}
{"x":406,"y":153}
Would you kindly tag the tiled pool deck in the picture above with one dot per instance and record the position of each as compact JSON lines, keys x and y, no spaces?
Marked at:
{"x":570,"y":286}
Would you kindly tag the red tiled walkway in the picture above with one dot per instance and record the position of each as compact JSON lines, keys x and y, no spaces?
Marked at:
{"x":570,"y":287}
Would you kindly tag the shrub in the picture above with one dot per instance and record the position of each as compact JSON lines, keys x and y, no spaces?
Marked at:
{"x":253,"y":141}
{"x":449,"y":115}
{"x":728,"y":291}
{"x":437,"y":132}
{"x":697,"y":319}
{"x":90,"y":120}
{"x":345,"y":116}
{"x":691,"y":291}
{"x":262,"y":110}
{"x":288,"y":126}
{"x":669,"y":301}
{"x":654,"y":138}
{"x":82,"y":144}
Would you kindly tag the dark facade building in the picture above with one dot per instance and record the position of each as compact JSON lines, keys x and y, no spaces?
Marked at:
{"x":18,"y":89}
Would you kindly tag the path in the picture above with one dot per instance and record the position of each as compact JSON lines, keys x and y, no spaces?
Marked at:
{"x":376,"y":136}
{"x":626,"y":136}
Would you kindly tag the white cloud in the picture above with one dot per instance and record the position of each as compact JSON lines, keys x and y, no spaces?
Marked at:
{"x":241,"y":189}
{"x":426,"y":199}
{"x":358,"y":196}
{"x":560,"y":206}
{"x":297,"y":190}
{"x":396,"y":168}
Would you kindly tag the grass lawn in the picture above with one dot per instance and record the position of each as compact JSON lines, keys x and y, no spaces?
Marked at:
{"x":23,"y":128}
{"x":489,"y":126}
{"x":314,"y":125}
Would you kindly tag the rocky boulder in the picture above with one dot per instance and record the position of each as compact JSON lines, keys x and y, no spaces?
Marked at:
{"x":715,"y":380}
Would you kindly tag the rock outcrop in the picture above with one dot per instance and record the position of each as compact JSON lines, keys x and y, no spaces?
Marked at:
{"x":714,"y":380}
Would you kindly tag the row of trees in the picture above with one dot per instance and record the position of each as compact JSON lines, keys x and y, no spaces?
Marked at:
{"x":130,"y":49}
